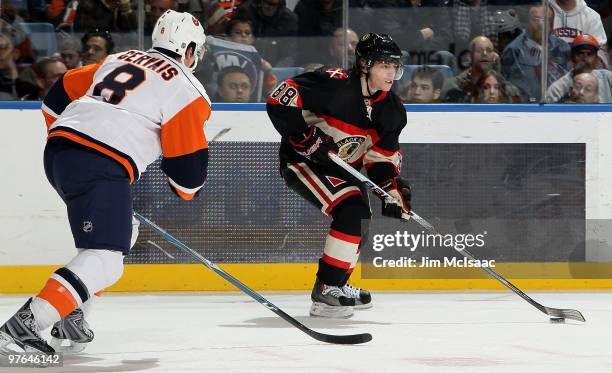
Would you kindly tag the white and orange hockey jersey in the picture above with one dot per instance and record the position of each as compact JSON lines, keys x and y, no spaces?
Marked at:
{"x":135,"y":106}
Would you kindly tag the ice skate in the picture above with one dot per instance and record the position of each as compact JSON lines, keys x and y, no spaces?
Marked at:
{"x":22,"y":330}
{"x":330,"y":301}
{"x":71,"y":334}
{"x":363,"y":299}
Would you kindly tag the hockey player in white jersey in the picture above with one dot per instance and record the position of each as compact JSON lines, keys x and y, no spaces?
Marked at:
{"x":106,"y":123}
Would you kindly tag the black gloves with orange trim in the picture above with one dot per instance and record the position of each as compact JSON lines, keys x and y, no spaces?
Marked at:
{"x":314,"y":145}
{"x":399,"y":189}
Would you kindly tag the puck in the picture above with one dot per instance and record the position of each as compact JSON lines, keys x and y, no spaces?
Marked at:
{"x":557,"y":320}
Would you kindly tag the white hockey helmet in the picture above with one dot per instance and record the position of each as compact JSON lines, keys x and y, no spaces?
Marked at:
{"x":174,"y":31}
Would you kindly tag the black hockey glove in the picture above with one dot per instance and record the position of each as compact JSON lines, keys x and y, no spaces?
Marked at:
{"x":314,"y":145}
{"x":399,"y":189}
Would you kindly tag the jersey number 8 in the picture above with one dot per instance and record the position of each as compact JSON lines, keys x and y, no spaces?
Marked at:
{"x":118,"y":88}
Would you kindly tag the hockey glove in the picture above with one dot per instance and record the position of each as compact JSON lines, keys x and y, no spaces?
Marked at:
{"x":314,"y":145}
{"x":399,"y":189}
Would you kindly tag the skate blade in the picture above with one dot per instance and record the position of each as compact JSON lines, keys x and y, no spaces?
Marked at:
{"x":335,"y":312}
{"x":67,"y":346}
{"x":366,"y":306}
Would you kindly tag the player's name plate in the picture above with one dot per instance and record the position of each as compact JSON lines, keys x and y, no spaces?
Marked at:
{"x":10,"y":359}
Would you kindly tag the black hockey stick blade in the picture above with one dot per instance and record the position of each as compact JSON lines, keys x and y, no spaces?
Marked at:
{"x":328,"y":338}
{"x":553,"y":312}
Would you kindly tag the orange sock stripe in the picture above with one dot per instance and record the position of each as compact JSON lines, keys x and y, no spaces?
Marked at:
{"x":59,"y":297}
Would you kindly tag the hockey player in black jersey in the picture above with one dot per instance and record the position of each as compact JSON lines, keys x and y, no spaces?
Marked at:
{"x":354,"y":114}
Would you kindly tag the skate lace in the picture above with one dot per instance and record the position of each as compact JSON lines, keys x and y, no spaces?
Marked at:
{"x":77,"y":317}
{"x":351,"y":291}
{"x":32,"y":325}
{"x":334,"y":291}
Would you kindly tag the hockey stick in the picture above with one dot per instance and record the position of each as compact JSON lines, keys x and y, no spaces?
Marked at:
{"x":555,"y":313}
{"x":337,"y":339}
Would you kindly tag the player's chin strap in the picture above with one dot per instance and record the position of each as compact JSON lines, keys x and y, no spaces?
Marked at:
{"x":367,"y":79}
{"x":556,"y":313}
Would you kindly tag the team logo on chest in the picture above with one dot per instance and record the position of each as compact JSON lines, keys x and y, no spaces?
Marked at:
{"x":348,"y":145}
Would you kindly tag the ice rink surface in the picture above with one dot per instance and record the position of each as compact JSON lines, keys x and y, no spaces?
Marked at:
{"x":413,"y":332}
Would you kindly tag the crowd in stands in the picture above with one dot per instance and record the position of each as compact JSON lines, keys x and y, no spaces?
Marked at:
{"x":465,"y":51}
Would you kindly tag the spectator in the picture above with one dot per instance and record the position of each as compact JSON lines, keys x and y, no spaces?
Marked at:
{"x":240,"y":30}
{"x":154,"y":9}
{"x":11,"y":25}
{"x":521,"y":61}
{"x":585,"y":49}
{"x":234,"y":85}
{"x":584,"y":89}
{"x":8,"y":68}
{"x":317,"y":22}
{"x":46,"y":72}
{"x":507,"y":26}
{"x":70,"y":51}
{"x":462,"y":88}
{"x":574,"y":17}
{"x":97,"y":45}
{"x":425,"y":85}
{"x":583,"y":55}
{"x":336,"y":47}
{"x":111,"y":15}
{"x":491,"y":89}
{"x":275,"y":29}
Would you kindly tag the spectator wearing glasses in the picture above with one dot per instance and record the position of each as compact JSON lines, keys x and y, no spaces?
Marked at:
{"x":584,"y":56}
{"x":336,"y":47}
{"x":585,"y":89}
{"x":483,"y":56}
{"x":97,"y":45}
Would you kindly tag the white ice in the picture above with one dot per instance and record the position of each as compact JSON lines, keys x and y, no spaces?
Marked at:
{"x":413,"y":332}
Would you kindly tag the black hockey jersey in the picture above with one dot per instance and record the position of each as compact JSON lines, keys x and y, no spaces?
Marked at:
{"x":366,"y":129}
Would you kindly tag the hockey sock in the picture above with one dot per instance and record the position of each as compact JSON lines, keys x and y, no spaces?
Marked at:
{"x":342,"y":244}
{"x":70,"y":286}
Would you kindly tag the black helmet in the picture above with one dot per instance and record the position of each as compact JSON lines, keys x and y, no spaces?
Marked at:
{"x":376,"y":47}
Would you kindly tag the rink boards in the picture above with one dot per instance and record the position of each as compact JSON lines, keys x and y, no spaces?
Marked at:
{"x":259,"y":231}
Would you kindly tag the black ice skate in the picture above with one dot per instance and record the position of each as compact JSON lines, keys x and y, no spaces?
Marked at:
{"x":71,"y":334}
{"x":363,"y":299}
{"x":330,"y":301}
{"x":22,"y":330}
